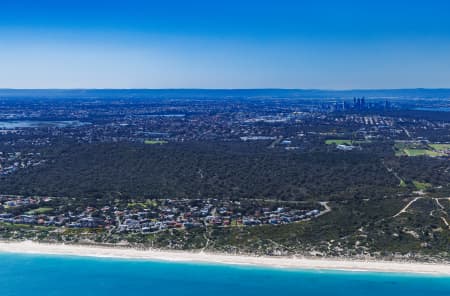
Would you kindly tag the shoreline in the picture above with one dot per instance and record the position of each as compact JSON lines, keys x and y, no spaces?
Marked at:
{"x":299,"y":263}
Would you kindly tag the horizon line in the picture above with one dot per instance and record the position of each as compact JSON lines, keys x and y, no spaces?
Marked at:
{"x":235,"y":89}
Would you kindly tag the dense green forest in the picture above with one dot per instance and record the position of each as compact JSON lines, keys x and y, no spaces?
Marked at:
{"x":204,"y":170}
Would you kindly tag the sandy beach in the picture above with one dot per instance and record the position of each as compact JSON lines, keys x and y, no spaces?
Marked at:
{"x":29,"y":247}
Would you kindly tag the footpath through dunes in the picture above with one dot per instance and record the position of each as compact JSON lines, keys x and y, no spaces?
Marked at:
{"x":403,"y":210}
{"x":292,"y":262}
{"x":441,"y":209}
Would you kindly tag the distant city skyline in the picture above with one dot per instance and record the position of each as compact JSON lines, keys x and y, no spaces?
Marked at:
{"x":231,"y":44}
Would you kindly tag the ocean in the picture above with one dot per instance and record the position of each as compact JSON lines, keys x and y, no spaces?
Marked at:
{"x":35,"y":275}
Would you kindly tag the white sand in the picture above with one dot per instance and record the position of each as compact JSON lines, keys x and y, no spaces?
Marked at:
{"x":29,"y":247}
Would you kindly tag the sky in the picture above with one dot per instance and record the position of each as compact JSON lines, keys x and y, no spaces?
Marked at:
{"x":320,"y":44}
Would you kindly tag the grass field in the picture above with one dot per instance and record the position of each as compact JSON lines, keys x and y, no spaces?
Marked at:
{"x":416,"y":149}
{"x":421,"y":185}
{"x":419,"y":152}
{"x":338,"y":142}
{"x":155,"y":142}
{"x":39,"y":211}
{"x":440,"y":147}
{"x":147,"y":203}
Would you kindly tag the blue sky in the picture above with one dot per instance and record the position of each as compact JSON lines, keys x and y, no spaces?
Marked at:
{"x":224,"y":44}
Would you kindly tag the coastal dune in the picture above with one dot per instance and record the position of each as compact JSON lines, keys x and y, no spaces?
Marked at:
{"x":28,"y":247}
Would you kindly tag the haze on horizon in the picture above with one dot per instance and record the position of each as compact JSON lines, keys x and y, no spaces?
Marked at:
{"x":321,"y":44}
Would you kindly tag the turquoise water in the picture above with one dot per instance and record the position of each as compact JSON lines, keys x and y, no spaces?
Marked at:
{"x":57,"y":275}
